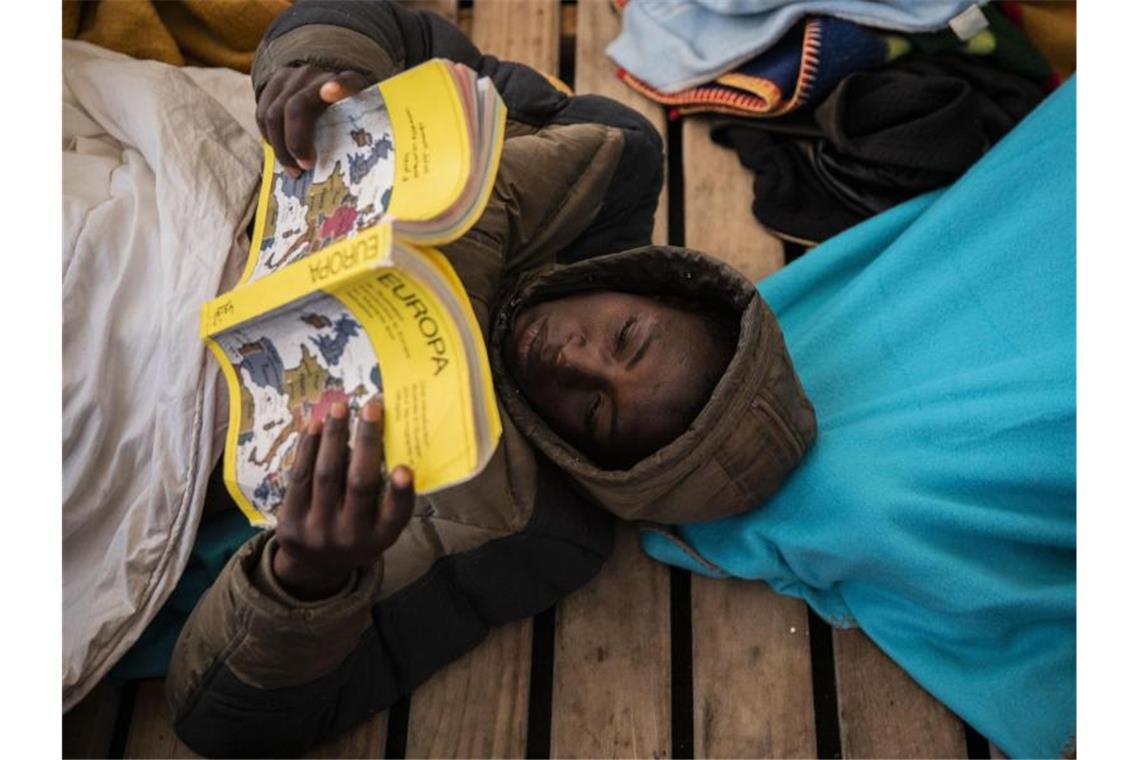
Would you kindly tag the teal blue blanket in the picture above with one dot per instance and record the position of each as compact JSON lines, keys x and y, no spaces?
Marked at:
{"x":937,"y":510}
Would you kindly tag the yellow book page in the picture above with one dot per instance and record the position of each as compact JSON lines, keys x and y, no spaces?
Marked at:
{"x":381,"y":334}
{"x":432,"y":145}
{"x":486,"y":383}
{"x":428,"y":234}
{"x":264,"y":195}
{"x":347,"y":189}
{"x":233,"y":430}
{"x":424,"y":376}
{"x":282,"y":370}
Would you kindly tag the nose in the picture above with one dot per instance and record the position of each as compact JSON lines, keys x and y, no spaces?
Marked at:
{"x":580,"y":366}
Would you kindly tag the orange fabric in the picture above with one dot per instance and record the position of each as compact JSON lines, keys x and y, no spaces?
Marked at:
{"x":557,"y":83}
{"x":1052,"y":26}
{"x":199,"y":32}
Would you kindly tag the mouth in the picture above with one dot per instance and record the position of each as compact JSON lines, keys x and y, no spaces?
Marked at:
{"x":529,"y":345}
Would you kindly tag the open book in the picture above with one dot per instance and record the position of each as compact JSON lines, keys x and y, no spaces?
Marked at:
{"x":343,"y":298}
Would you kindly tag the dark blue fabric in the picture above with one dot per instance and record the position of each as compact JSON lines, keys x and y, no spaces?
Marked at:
{"x":219,"y":536}
{"x":937,"y":510}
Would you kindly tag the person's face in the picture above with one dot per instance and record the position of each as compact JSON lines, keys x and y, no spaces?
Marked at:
{"x":612,"y":373}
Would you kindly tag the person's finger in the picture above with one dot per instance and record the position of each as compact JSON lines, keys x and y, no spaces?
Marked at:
{"x":268,"y":95}
{"x":328,"y":476}
{"x":275,"y":121}
{"x":396,"y":508}
{"x":343,"y":85}
{"x":365,"y":471}
{"x":300,"y":488}
{"x":302,"y":110}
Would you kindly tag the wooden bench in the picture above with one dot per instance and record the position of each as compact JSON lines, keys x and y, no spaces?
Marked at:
{"x":646,"y":661}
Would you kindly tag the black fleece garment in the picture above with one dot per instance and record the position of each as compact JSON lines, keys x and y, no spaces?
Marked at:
{"x":881,"y":137}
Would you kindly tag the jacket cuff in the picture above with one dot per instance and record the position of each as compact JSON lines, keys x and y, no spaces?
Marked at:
{"x":331,"y":47}
{"x":266,"y":581}
{"x":287,"y":641}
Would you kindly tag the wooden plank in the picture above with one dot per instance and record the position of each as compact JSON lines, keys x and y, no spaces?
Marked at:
{"x":883,"y":712}
{"x":477,"y":705}
{"x":597,"y":24}
{"x":996,"y":753}
{"x":752,"y":690}
{"x":612,"y":673}
{"x":718,"y":206}
{"x":519,"y":30}
{"x":752,"y":687}
{"x":449,"y":9}
{"x":152,"y":727}
{"x":87,"y":727}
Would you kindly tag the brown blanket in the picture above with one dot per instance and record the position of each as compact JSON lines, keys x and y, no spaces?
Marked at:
{"x":195,"y":32}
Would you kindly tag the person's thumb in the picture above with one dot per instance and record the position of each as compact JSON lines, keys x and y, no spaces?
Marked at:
{"x":343,"y":85}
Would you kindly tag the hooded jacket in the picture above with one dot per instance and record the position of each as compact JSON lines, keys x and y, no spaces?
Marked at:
{"x":258,"y":672}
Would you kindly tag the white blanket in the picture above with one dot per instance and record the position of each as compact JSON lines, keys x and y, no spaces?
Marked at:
{"x":160,"y":169}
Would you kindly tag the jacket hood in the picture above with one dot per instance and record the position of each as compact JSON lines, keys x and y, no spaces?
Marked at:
{"x":754,"y":429}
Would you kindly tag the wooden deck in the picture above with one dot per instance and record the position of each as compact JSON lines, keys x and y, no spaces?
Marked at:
{"x":645,"y":661}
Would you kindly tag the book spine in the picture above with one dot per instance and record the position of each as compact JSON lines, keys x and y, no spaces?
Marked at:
{"x":329,"y":268}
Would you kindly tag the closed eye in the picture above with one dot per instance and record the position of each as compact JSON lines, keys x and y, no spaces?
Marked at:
{"x":592,"y":411}
{"x":623,"y":334}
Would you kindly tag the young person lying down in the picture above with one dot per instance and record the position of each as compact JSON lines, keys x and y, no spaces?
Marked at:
{"x":636,"y":381}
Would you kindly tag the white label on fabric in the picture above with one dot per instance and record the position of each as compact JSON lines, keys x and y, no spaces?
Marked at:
{"x":969,"y":22}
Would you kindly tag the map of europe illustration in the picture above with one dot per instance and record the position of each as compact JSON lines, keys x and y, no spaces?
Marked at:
{"x":292,"y":365}
{"x":346,"y":191}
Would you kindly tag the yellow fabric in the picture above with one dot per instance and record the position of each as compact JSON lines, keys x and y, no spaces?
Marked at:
{"x":557,"y":83}
{"x":201,"y":32}
{"x":71,"y":12}
{"x":1052,"y":27}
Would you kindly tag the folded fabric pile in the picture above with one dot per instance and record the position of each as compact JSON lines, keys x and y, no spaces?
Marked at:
{"x":842,"y":108}
{"x":673,"y":45}
{"x":805,"y":64}
{"x":881,"y":137}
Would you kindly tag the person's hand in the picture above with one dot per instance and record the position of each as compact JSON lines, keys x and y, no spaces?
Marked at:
{"x":289,"y":105}
{"x":338,"y":516}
